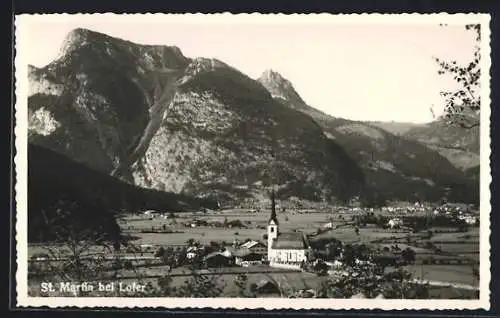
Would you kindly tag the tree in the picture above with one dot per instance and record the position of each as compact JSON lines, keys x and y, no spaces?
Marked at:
{"x":160,"y":252}
{"x":200,"y":286}
{"x":321,"y":268}
{"x":408,"y":255}
{"x":391,"y":285}
{"x":81,"y":250}
{"x":349,"y":255}
{"x":462,"y":105}
{"x":241,"y":282}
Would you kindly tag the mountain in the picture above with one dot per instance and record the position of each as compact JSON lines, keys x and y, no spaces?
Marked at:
{"x":395,"y":128}
{"x":54,"y":178}
{"x":459,"y":145}
{"x":283,"y":91}
{"x":396,"y":166}
{"x":156,"y":119}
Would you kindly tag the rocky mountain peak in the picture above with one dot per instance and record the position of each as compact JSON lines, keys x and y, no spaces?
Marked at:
{"x":279,"y":87}
{"x":81,"y":43}
{"x":271,"y":75}
{"x":77,"y":38}
{"x":150,"y":116}
{"x":201,"y":65}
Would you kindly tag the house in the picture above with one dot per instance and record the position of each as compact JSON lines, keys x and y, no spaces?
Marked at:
{"x":335,"y":264}
{"x":328,"y":225}
{"x":218,"y":259}
{"x":226,"y":253}
{"x":255,"y":246}
{"x":245,"y":257}
{"x":470,"y":220}
{"x":191,"y":255}
{"x":192,"y":252}
{"x":285,"y":250}
{"x":151,"y":213}
{"x":395,"y":223}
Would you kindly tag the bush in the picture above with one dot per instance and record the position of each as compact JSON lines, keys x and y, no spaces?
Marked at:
{"x":128,"y":265}
{"x":160,"y":252}
{"x":408,"y":255}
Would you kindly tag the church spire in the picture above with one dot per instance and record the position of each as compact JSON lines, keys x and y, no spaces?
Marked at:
{"x":273,"y":208}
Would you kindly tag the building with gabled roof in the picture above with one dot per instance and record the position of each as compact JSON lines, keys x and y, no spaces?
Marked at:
{"x":285,"y":250}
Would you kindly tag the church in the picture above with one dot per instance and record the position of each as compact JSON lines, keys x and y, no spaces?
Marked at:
{"x":285,"y":250}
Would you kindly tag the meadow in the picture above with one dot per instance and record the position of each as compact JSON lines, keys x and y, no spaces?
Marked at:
{"x":178,"y":230}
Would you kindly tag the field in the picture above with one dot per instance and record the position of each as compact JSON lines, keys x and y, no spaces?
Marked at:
{"x":255,"y":226}
{"x":444,"y":273}
{"x":453,"y":245}
{"x":145,"y":230}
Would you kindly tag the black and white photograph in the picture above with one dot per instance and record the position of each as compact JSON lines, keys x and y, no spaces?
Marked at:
{"x":195,"y":160}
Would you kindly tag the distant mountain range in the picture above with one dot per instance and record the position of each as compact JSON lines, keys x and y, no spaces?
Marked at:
{"x":155,"y":119}
{"x":402,"y":160}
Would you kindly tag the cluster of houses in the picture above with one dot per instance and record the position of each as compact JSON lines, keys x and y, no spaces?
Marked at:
{"x":283,"y":250}
{"x":408,"y":208}
{"x":249,"y":253}
{"x":460,"y":212}
{"x":226,"y":224}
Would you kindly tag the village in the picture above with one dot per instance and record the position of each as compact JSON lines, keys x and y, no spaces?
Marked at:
{"x":438,"y":245}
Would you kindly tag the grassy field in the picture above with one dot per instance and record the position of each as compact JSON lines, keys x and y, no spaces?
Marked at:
{"x":444,"y":273}
{"x":204,"y":235}
{"x":255,"y":224}
{"x":255,"y":227}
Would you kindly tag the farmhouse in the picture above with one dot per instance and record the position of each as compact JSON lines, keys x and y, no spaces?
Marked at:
{"x":394,"y":223}
{"x":254,"y":246}
{"x":285,"y":250}
{"x":245,"y":257}
{"x":151,"y":213}
{"x":218,"y":259}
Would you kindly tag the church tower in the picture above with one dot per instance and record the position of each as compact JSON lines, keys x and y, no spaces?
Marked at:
{"x":272,"y":227}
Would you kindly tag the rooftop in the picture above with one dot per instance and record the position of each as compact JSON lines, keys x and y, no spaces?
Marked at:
{"x":251,"y":244}
{"x":291,"y":240}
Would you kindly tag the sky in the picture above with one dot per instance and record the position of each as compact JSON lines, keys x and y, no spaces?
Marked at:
{"x":361,"y":71}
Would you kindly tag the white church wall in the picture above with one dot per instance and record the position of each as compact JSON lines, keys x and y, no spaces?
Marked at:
{"x":287,"y":256}
{"x":285,"y":265}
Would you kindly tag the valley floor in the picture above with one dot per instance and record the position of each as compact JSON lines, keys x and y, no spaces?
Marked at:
{"x":450,"y":274}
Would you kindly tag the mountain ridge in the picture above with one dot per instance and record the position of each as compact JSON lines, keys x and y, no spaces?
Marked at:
{"x":157,"y":119}
{"x":387,"y":159}
{"x":54,"y":178}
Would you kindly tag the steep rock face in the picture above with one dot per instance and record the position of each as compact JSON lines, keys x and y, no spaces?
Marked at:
{"x":99,"y":93}
{"x":279,"y":87}
{"x":283,"y":91}
{"x":157,"y":119}
{"x":396,"y":166}
{"x":225,"y":134}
